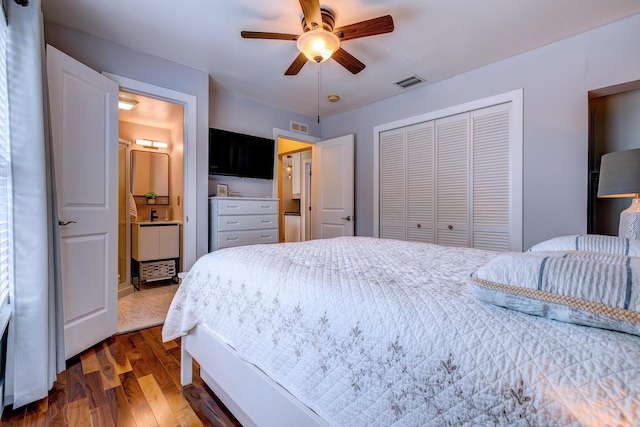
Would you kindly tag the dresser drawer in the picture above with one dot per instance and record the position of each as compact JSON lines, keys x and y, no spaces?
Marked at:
{"x":247,"y":207}
{"x":246,"y":222}
{"x":239,"y":238}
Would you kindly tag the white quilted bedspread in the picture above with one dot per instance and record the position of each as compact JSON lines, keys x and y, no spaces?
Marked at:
{"x":369,"y":331}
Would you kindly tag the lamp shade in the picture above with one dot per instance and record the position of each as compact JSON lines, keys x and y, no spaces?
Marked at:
{"x":318,"y":45}
{"x":620,"y":174}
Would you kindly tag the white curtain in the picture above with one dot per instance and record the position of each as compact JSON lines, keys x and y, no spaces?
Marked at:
{"x":35,"y":348}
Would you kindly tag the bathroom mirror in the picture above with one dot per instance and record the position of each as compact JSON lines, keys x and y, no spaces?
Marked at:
{"x":149,"y":172}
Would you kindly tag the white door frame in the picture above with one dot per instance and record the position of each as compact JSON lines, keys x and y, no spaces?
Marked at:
{"x":190,"y":144}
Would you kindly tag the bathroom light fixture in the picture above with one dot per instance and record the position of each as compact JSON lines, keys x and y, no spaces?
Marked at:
{"x":151,"y":144}
{"x":289,"y":167}
{"x":318,"y":45}
{"x":126,"y":104}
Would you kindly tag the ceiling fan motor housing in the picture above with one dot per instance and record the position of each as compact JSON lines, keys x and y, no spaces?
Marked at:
{"x":328,"y":20}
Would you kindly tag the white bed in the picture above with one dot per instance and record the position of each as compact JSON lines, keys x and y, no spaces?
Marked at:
{"x":363,"y":331}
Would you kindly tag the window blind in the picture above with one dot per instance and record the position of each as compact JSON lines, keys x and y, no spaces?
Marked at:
{"x":5,"y":172}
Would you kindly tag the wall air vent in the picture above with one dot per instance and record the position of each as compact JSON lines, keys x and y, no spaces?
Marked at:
{"x":299,"y":127}
{"x":409,"y":81}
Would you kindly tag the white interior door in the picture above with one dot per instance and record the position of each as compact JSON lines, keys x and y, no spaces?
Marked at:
{"x":333,"y":191}
{"x":84,"y":122}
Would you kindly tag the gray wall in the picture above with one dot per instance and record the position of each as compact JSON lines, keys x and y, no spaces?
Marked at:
{"x":237,"y":114}
{"x":243,"y":115}
{"x":556,"y":79}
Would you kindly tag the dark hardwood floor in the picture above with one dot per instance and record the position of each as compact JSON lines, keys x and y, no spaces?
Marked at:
{"x":128,"y":380}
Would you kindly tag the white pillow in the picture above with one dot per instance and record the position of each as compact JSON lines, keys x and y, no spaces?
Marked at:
{"x":590,"y":243}
{"x":585,"y":288}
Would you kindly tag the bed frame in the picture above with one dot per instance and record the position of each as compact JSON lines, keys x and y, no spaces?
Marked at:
{"x":253,"y":397}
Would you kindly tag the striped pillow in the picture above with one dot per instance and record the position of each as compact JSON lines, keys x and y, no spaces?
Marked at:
{"x":591,"y":243}
{"x":585,"y":288}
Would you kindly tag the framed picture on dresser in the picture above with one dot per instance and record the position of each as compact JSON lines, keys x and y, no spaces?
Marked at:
{"x":222,"y":190}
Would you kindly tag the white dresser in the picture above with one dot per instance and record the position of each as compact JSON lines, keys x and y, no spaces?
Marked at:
{"x":238,"y":221}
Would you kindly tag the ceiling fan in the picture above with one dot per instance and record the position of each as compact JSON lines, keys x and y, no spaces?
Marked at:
{"x":321,"y":41}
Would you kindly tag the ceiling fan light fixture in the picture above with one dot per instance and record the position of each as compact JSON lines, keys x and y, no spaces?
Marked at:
{"x":318,"y":45}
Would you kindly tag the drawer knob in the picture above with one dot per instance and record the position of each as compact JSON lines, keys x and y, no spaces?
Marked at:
{"x":265,"y":237}
{"x":419,"y":225}
{"x":232,"y":222}
{"x":266,"y":221}
{"x":450,"y":227}
{"x":232,"y":206}
{"x":231,"y":239}
{"x":265,"y":206}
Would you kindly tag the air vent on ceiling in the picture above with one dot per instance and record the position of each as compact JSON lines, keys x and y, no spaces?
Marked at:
{"x":409,"y":81}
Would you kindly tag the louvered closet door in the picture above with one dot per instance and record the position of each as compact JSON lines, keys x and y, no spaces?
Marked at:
{"x":420,"y":185}
{"x":393,"y":185}
{"x":452,"y":180}
{"x":490,"y":151}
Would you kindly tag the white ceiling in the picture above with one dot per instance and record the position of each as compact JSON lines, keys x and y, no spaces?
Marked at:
{"x":435,"y":39}
{"x":152,"y":112}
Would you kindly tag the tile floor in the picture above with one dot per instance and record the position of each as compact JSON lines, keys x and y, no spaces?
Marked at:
{"x":145,"y":308}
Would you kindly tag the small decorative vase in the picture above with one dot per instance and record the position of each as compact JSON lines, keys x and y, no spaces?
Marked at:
{"x":151,"y":201}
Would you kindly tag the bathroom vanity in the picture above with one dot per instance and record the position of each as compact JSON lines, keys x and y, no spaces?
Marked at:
{"x":155,"y":251}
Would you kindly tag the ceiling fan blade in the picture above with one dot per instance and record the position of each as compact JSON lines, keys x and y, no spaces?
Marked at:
{"x":269,"y":36}
{"x":296,"y":65}
{"x":371,"y":27}
{"x":311,"y":12}
{"x":348,"y":61}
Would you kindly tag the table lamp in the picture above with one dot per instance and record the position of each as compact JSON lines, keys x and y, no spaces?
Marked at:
{"x":620,"y":177}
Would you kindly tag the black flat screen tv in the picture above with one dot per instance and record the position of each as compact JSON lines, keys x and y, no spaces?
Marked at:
{"x":236,"y":154}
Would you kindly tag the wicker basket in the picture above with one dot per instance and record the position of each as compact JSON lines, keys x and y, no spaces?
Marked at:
{"x":157,"y":270}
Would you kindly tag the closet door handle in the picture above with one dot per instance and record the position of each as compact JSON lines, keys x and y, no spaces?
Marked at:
{"x":348,"y":218}
{"x":63,"y":223}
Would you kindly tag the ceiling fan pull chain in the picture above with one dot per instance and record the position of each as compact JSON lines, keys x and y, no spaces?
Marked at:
{"x":319,"y":65}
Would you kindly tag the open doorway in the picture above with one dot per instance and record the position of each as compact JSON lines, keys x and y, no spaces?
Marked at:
{"x":150,"y":208}
{"x":294,"y":190}
{"x":613,"y":113}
